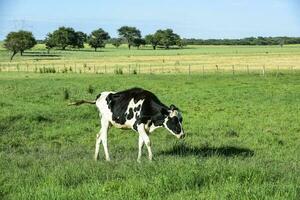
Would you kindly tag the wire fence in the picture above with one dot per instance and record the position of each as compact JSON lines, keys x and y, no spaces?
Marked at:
{"x":192,"y":68}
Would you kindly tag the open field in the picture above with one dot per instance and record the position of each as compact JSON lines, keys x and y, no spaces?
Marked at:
{"x":243,"y":134}
{"x":145,"y":60}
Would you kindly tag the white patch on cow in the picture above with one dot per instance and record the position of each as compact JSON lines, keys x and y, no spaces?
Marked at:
{"x":130,"y":122}
{"x":102,"y":106}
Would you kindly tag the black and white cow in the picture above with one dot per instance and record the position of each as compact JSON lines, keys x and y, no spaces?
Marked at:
{"x":137,"y":109}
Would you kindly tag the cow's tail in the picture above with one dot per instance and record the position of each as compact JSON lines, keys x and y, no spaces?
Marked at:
{"x":79,"y":102}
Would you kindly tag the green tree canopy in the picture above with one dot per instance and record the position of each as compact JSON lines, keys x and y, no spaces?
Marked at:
{"x":64,"y":36}
{"x":167,"y":38}
{"x":130,"y":34}
{"x":137,"y":42}
{"x":97,"y":38}
{"x":49,"y":42}
{"x":79,"y":40}
{"x":19,"y":42}
{"x":116,"y":42}
{"x":152,"y":40}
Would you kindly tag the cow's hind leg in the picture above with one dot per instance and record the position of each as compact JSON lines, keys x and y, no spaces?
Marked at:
{"x":102,"y":137}
{"x":98,"y":141}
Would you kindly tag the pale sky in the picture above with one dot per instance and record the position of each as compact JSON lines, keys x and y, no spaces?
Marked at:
{"x":189,"y":18}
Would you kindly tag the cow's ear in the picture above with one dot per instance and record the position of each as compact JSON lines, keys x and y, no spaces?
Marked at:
{"x":173,"y":107}
{"x":164,"y":111}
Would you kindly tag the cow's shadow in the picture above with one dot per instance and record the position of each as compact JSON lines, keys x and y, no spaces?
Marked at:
{"x":206,"y":151}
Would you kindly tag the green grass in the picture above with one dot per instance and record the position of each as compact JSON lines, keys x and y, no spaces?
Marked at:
{"x":242,"y":139}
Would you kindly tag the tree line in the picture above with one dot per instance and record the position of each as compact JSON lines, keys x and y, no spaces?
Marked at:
{"x":67,"y":37}
{"x":245,"y":41}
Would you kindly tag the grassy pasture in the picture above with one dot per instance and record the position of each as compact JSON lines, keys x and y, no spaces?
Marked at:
{"x":147,"y":60}
{"x":242,"y":137}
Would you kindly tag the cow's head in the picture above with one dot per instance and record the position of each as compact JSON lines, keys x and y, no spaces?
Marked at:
{"x":173,"y":121}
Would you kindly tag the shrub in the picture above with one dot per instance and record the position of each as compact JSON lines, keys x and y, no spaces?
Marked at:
{"x":90,"y":89}
{"x":66,"y":94}
{"x":119,"y":71}
{"x":65,"y":70}
{"x":47,"y":70}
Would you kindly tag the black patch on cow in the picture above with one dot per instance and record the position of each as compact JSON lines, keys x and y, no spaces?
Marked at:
{"x":174,"y":125}
{"x":135,"y":126}
{"x":98,"y":96}
{"x":173,"y":107}
{"x":130,"y":114}
{"x":137,"y":108}
{"x":158,"y":120}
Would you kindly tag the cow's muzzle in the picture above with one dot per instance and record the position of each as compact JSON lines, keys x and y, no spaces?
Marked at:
{"x":182,"y":136}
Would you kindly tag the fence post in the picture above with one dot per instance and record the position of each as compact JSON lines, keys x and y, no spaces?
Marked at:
{"x":129,"y":69}
{"x":139,"y":69}
{"x":232,"y":69}
{"x":263,"y":72}
{"x":248,"y":69}
{"x":189,"y":69}
{"x":150,"y":70}
{"x":294,"y":70}
{"x":203,"y":70}
{"x":217,"y":67}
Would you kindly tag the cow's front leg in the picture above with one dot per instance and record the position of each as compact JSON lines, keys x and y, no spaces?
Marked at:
{"x":145,"y":137}
{"x":141,"y":144}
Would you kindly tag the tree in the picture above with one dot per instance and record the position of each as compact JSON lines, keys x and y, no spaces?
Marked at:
{"x":49,"y":42}
{"x":281,"y":42}
{"x":152,"y":40}
{"x":137,"y":42}
{"x":64,"y":36}
{"x":180,"y":43}
{"x":129,"y":33}
{"x":167,"y":38}
{"x":79,"y":40}
{"x":19,"y":42}
{"x":116,"y":42}
{"x":98,"y":38}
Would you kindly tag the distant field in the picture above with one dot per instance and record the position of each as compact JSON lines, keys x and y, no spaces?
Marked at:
{"x":243,"y":136}
{"x":145,"y":60}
